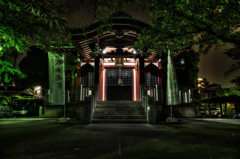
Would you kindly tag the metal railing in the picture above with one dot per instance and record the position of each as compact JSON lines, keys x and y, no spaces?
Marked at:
{"x":155,"y":92}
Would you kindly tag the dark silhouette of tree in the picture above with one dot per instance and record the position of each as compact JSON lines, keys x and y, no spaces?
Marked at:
{"x":35,"y":66}
{"x":187,"y":78}
{"x":234,"y":53}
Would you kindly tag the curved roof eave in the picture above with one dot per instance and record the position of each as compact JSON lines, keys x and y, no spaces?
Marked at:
{"x":115,"y":21}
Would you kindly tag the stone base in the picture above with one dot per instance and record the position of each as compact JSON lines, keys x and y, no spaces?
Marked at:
{"x":64,"y":120}
{"x":171,"y":120}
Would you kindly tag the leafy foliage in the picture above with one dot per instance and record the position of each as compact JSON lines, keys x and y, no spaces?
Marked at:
{"x":21,"y":21}
{"x":228,"y":92}
{"x":230,"y":112}
{"x":8,"y":72}
{"x":181,"y":23}
{"x":197,"y":103}
{"x":236,"y":81}
{"x":35,"y":66}
{"x":234,"y":54}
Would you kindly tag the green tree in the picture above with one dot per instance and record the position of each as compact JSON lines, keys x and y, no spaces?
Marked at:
{"x":182,"y":23}
{"x":8,"y":71}
{"x":234,"y":54}
{"x":35,"y":66}
{"x":228,"y":92}
{"x":23,"y":21}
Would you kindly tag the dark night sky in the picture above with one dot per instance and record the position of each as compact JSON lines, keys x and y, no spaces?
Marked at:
{"x":212,"y":65}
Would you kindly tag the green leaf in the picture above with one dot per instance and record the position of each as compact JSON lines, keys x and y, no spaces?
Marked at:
{"x":64,"y":19}
{"x":33,"y":11}
{"x":46,"y":21}
{"x":51,"y":24}
{"x":57,"y":24}
{"x":38,"y":13}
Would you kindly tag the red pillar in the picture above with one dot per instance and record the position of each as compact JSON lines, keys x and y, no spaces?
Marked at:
{"x":96,"y":65}
{"x":78,"y":81}
{"x":141,"y":73}
{"x":137,"y":81}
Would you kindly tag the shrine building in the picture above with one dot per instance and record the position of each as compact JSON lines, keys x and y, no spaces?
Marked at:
{"x":103,"y":65}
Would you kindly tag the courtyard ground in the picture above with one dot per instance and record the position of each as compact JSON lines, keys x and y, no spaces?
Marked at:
{"x":192,"y":138}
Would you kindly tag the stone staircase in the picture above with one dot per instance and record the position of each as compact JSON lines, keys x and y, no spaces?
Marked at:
{"x":119,"y":112}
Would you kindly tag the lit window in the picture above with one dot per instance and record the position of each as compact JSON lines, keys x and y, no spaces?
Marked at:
{"x":200,"y":79}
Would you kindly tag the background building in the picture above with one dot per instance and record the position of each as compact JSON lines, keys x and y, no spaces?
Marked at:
{"x":205,"y":89}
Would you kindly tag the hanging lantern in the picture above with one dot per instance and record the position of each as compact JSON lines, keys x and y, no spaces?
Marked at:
{"x":182,"y":61}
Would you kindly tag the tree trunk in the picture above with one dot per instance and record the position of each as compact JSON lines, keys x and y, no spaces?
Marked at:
{"x":209,"y":109}
{"x":221,"y":109}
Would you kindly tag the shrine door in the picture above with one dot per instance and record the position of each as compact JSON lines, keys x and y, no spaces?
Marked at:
{"x":117,"y":91}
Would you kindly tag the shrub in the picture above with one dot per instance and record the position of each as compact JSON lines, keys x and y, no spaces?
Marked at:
{"x":197,"y":103}
{"x":230,"y":112}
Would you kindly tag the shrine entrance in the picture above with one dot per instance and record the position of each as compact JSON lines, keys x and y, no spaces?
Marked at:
{"x":115,"y":91}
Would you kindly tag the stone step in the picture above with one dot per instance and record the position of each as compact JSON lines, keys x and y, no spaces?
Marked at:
{"x":118,"y":109}
{"x":119,"y":112}
{"x":119,"y":117}
{"x":119,"y":121}
{"x":118,"y":105}
{"x":119,"y":101}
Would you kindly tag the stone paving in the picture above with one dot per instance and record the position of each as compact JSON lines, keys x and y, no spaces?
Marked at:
{"x":189,"y":138}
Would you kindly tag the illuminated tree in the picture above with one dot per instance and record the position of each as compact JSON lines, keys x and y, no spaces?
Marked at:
{"x":8,"y":71}
{"x":181,"y":23}
{"x":227,"y":92}
{"x":23,"y":21}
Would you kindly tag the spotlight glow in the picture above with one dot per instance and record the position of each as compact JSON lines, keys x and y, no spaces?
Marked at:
{"x":37,"y":88}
